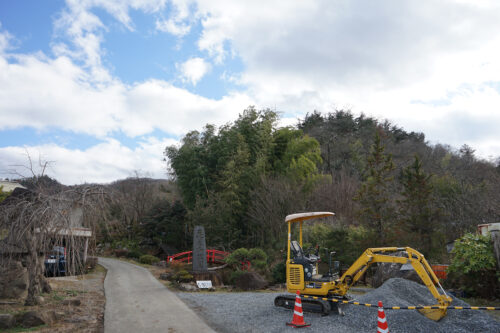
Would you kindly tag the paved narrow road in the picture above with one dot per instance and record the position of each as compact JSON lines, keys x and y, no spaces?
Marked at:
{"x":137,"y":302}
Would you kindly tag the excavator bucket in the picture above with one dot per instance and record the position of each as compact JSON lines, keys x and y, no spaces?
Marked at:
{"x":434,"y":314}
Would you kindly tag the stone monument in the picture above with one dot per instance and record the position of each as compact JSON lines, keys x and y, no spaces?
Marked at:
{"x":200,"y":268}
{"x":199,"y":250}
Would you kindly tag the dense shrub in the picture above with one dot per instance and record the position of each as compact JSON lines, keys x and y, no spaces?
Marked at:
{"x":239,"y":255}
{"x":473,"y":267}
{"x":348,"y":242}
{"x":256,"y":256}
{"x":279,"y":272}
{"x":134,"y":254}
{"x":182,"y":276}
{"x":148,"y":259}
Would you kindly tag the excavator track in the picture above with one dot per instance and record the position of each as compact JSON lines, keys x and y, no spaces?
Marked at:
{"x":308,"y":305}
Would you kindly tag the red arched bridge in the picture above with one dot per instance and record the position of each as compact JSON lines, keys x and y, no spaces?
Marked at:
{"x":213,"y":257}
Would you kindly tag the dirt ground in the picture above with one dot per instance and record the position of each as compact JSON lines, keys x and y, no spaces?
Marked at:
{"x":87,"y":317}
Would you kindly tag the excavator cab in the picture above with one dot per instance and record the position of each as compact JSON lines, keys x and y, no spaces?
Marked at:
{"x":308,"y":261}
{"x":301,"y":267}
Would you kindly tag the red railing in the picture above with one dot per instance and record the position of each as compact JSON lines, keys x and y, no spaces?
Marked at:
{"x":213,"y":257}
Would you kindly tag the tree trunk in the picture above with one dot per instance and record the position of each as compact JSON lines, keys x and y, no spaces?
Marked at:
{"x":33,"y":268}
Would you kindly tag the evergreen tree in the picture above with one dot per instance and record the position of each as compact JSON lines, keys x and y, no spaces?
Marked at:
{"x":165,"y":224}
{"x":416,"y":207}
{"x":376,"y":209}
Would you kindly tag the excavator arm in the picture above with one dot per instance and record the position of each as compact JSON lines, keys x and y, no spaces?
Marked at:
{"x":411,"y":256}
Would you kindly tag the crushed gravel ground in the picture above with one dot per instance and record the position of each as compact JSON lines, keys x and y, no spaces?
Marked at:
{"x":255,"y":312}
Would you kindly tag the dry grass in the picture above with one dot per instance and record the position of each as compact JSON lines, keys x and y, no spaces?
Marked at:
{"x":87,"y":317}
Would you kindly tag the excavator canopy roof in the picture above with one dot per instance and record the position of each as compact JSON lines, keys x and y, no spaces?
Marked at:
{"x":306,"y":216}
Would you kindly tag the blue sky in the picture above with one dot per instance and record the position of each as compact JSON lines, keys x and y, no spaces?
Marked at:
{"x":100,"y":87}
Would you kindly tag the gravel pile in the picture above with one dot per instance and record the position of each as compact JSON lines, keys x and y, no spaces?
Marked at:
{"x":255,"y":312}
{"x":401,"y":292}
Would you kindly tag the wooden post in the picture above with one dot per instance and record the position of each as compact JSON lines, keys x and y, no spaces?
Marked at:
{"x":85,"y":249}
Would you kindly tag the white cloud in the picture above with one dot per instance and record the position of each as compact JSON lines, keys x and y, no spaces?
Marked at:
{"x":179,"y":21}
{"x":43,"y":93}
{"x":5,"y":40}
{"x":400,"y":60}
{"x":102,"y":163}
{"x":178,"y":29}
{"x":193,"y":70}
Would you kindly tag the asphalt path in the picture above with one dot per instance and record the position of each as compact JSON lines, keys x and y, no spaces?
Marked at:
{"x":137,"y":302}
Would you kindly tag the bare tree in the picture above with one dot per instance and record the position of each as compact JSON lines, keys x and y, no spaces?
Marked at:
{"x":336,"y":196}
{"x":132,"y":200}
{"x":271,"y":202}
{"x":33,"y":222}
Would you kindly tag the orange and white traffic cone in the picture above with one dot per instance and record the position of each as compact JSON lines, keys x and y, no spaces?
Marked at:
{"x":298,"y":315}
{"x":382,"y":321}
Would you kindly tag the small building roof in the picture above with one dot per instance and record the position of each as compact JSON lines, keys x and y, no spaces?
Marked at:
{"x":8,"y":186}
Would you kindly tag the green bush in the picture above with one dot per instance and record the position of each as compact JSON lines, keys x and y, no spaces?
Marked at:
{"x":182,"y":276}
{"x":257,"y":258}
{"x":148,"y":259}
{"x":473,"y":267}
{"x":279,"y":272}
{"x":472,"y":253}
{"x":259,"y":264}
{"x":134,"y":254}
{"x":239,"y":255}
{"x":257,"y":254}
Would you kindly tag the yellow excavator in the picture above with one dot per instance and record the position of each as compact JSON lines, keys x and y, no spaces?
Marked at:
{"x":302,"y":273}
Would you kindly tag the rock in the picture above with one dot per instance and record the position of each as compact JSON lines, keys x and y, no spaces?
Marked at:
{"x":161,"y":263}
{"x":279,"y":287}
{"x":59,"y":315}
{"x":35,"y":318}
{"x":250,"y":281}
{"x":165,"y":276}
{"x":210,"y":275}
{"x":14,"y":282}
{"x":72,"y":301}
{"x":386,"y":271}
{"x":50,"y":316}
{"x":188,"y":287}
{"x":6,"y":321}
{"x":46,"y":288}
{"x":39,"y":299}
